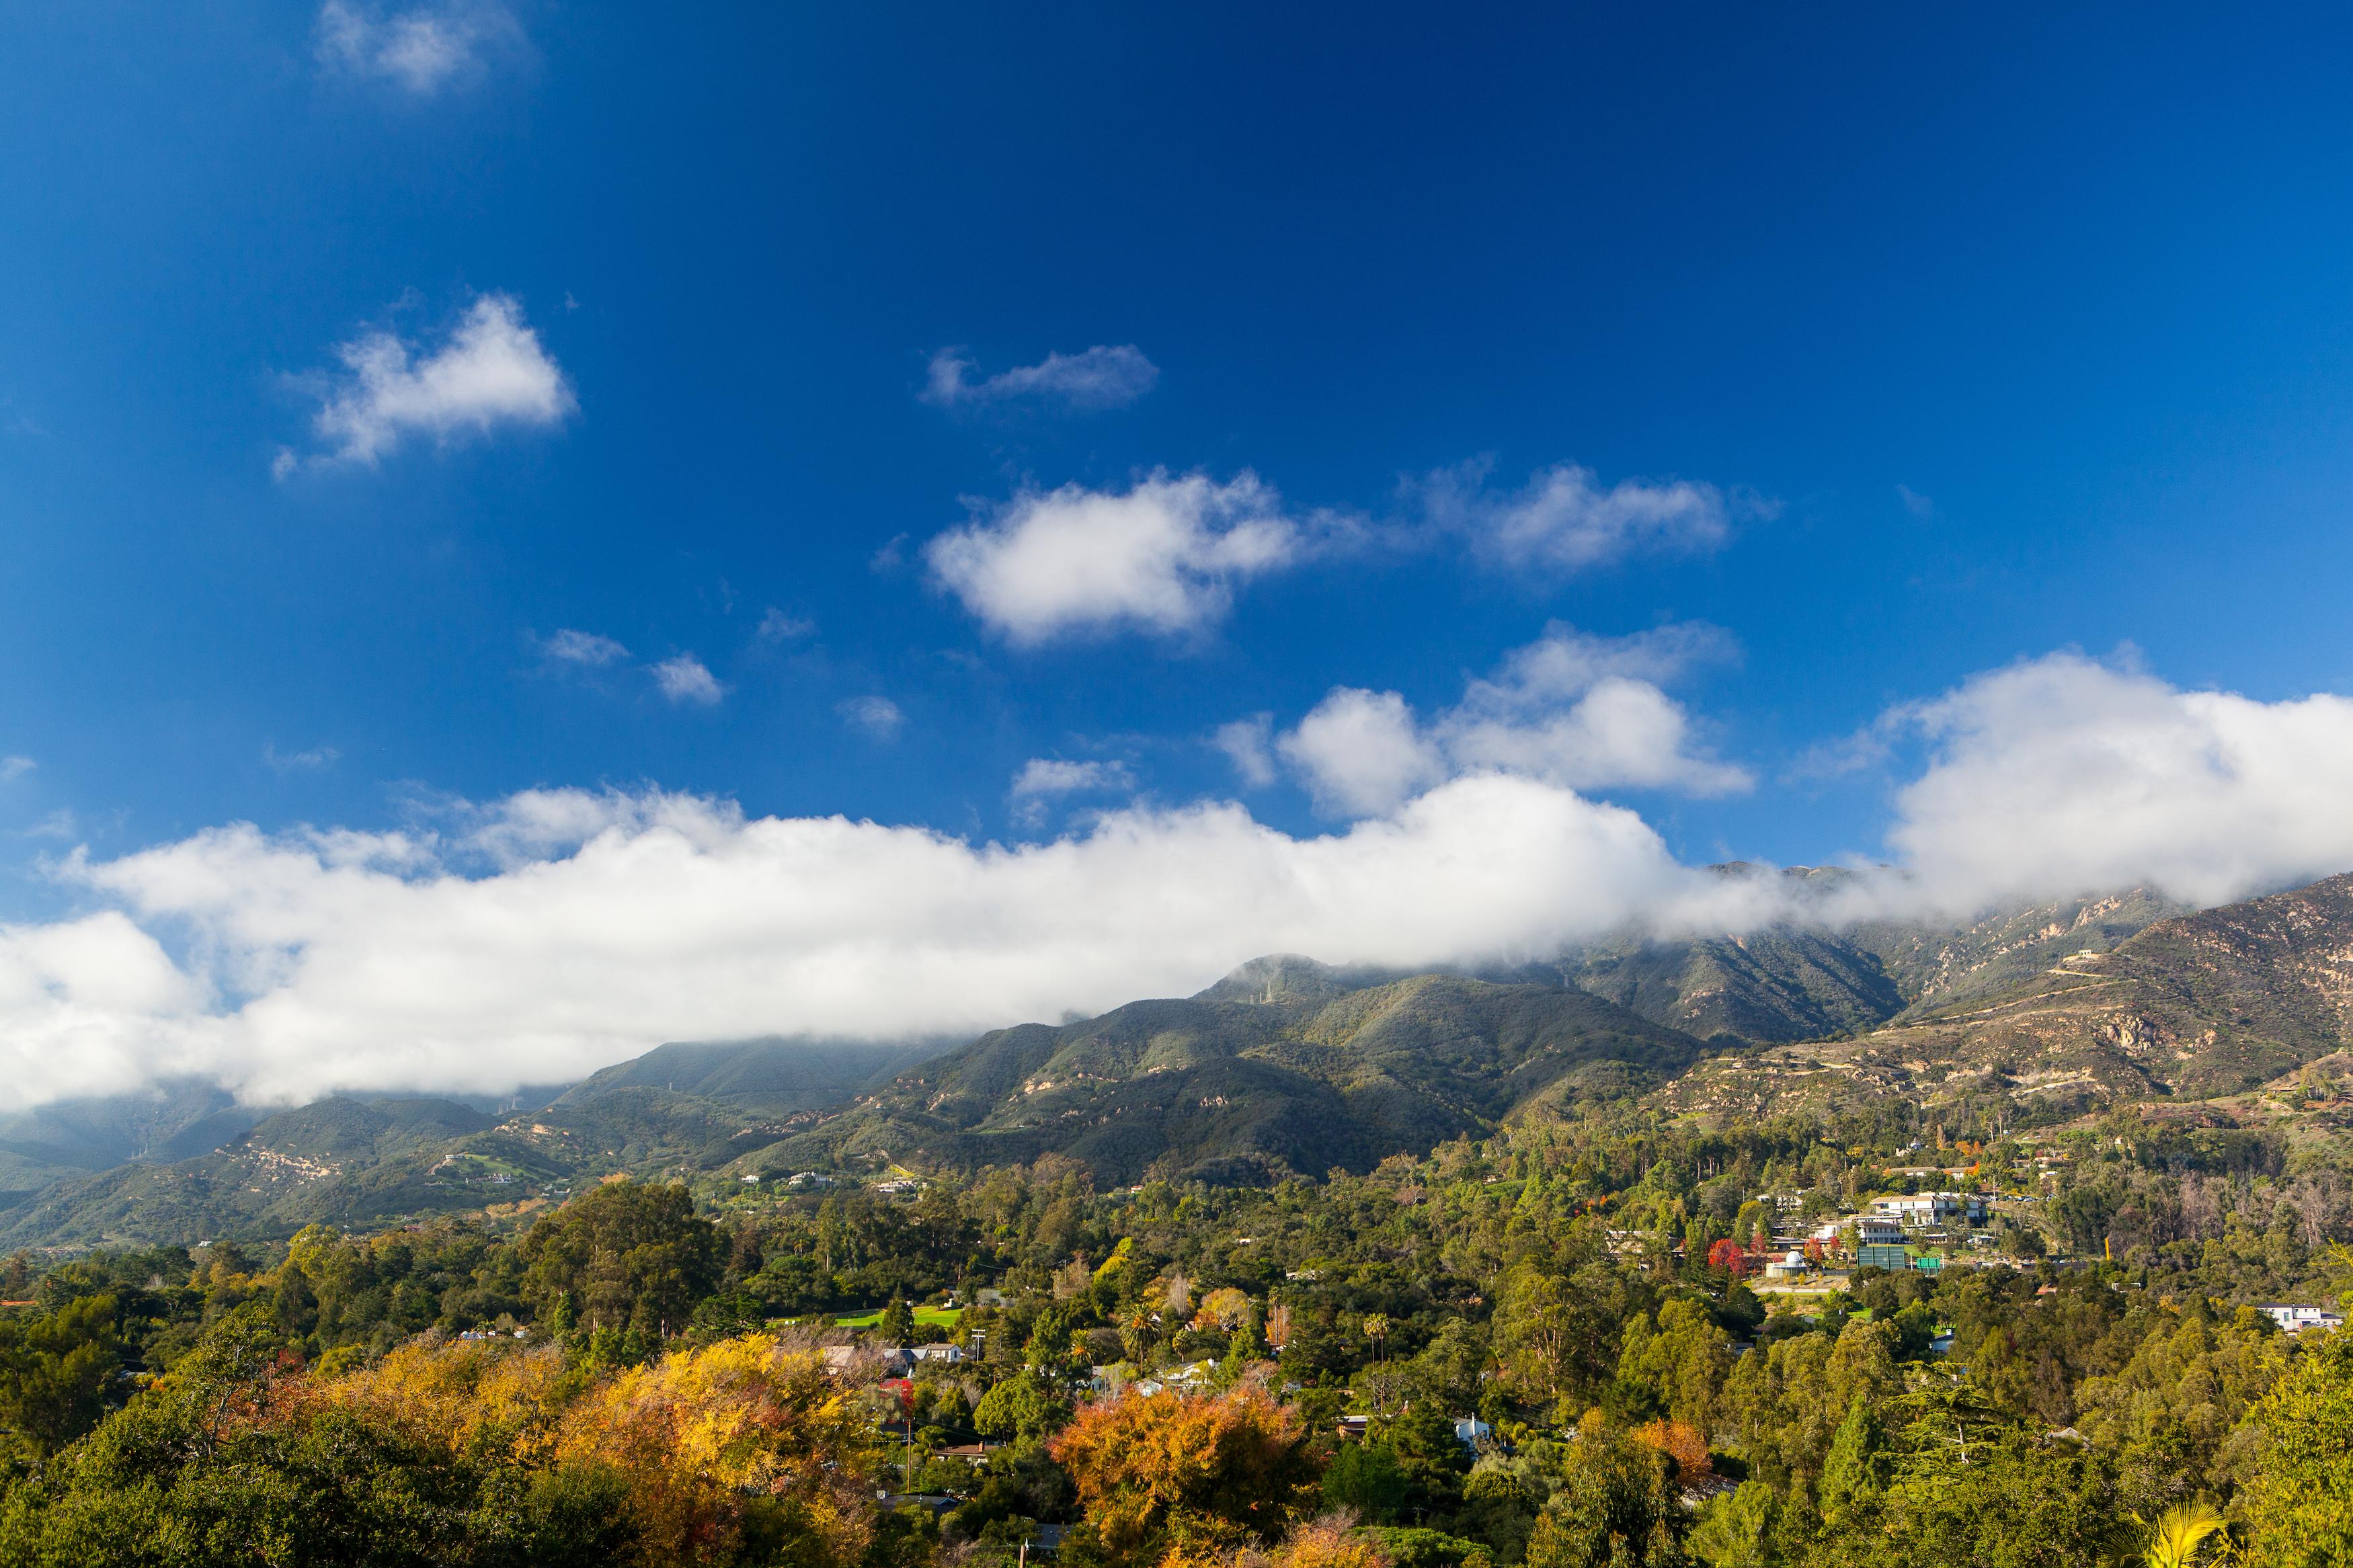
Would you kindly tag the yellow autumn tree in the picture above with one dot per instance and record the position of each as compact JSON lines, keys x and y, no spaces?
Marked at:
{"x":1202,"y":1475}
{"x":474,"y":1397}
{"x":743,"y":1438}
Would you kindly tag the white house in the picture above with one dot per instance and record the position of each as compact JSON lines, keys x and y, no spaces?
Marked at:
{"x":2295,"y":1320}
{"x":1878,"y":1230}
{"x":1923,"y":1210}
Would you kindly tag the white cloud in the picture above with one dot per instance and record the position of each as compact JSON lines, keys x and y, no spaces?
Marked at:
{"x":1587,"y":713}
{"x":290,"y":762}
{"x":1043,"y":779}
{"x":1249,"y":744}
{"x":1103,"y":377}
{"x":1054,"y":775}
{"x":879,"y":716}
{"x":683,"y":678}
{"x":2062,"y":774}
{"x":570,"y":646}
{"x":776,"y":627}
{"x":1163,"y":556}
{"x":13,"y":768}
{"x":542,"y":936}
{"x":564,"y":930}
{"x":1564,"y":521}
{"x":1581,"y":712}
{"x":1920,"y":507}
{"x":1362,"y":752}
{"x":492,"y":371}
{"x":421,"y":49}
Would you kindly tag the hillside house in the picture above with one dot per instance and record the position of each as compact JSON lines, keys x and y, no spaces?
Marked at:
{"x":2294,"y":1320}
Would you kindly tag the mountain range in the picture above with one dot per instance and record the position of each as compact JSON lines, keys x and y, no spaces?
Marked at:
{"x":1284,"y":1066}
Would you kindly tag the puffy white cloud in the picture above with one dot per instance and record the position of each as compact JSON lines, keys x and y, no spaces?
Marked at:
{"x":879,"y":716}
{"x":491,"y":372}
{"x":422,"y":48}
{"x":558,"y":932}
{"x":1162,"y":556}
{"x":1103,"y":377}
{"x":94,"y":1006}
{"x":1563,"y":520}
{"x":2064,"y":774}
{"x":569,"y":647}
{"x":684,"y":678}
{"x":1362,"y":752}
{"x":1587,"y":713}
{"x":1578,"y":710}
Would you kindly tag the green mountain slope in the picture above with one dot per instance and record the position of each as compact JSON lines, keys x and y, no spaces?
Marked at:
{"x":72,"y":1138}
{"x":774,"y":1074}
{"x":1284,"y":1066}
{"x":1779,"y":984}
{"x":374,"y":1162}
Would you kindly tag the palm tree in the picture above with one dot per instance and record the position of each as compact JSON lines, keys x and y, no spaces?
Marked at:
{"x":2181,"y":1535}
{"x":1377,"y":1329}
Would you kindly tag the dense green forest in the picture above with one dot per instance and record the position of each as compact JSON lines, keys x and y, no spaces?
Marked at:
{"x":1549,"y":1336}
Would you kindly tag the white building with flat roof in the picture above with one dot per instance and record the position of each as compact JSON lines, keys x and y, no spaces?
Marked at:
{"x":1922,"y":1211}
{"x":2295,"y":1320}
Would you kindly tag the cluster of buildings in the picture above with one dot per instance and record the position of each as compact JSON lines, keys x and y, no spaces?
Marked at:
{"x":1886,"y":1234}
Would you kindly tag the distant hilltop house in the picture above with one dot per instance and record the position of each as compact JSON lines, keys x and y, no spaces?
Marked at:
{"x":1923,"y":1210}
{"x":2295,"y":1320}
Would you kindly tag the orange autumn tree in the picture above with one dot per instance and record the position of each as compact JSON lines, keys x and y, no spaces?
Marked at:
{"x":1187,"y":1477}
{"x":1680,"y":1441}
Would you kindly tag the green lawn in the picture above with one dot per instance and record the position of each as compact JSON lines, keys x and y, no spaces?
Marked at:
{"x":945,"y":1317}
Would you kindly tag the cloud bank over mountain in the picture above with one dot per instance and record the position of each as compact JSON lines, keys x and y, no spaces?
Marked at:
{"x":539,"y":937}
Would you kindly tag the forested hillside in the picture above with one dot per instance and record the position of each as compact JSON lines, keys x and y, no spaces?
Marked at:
{"x":1286,"y":1068}
{"x":1548,"y":1349}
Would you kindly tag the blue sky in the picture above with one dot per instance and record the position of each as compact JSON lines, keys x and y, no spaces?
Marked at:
{"x":1841,"y":359}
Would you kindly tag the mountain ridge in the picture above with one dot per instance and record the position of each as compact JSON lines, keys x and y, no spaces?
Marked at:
{"x":1286,"y":1066}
